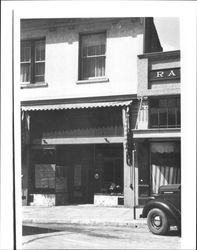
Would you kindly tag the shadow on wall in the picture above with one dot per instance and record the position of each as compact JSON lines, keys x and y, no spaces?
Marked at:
{"x":117,"y":27}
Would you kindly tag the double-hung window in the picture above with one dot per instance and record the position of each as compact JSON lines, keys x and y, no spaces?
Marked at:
{"x":165,"y":113}
{"x":33,"y":61}
{"x":92,"y":56}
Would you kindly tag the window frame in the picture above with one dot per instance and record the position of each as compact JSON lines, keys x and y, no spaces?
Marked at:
{"x":33,"y":62}
{"x":177,"y":109}
{"x":95,"y":79}
{"x":35,"y":160}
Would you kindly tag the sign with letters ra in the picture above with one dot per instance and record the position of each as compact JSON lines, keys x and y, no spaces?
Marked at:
{"x":164,"y":74}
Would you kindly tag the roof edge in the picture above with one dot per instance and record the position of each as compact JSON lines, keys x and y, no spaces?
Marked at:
{"x":164,"y":54}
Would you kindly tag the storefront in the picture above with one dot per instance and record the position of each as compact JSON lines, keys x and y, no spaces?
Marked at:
{"x":159,"y":163}
{"x":72,"y":174}
{"x":74,"y":156}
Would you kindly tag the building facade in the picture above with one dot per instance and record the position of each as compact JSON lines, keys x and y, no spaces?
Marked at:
{"x":157,"y":132}
{"x":84,"y":91}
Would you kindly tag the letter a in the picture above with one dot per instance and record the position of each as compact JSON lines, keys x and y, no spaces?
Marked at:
{"x":171,"y":73}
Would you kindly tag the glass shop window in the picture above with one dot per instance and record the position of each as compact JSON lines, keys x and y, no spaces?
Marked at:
{"x":112,"y":176}
{"x":44,"y":169}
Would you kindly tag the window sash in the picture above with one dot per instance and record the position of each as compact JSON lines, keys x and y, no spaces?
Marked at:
{"x":92,"y":56}
{"x":165,"y":113}
{"x":165,"y":117}
{"x":33,"y":61}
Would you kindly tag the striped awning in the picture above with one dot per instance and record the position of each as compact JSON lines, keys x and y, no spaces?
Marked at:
{"x":63,"y":106}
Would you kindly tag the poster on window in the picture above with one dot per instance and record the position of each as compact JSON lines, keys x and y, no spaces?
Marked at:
{"x":45,"y":176}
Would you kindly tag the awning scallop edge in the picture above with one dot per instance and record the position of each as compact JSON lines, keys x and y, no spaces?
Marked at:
{"x":61,"y":106}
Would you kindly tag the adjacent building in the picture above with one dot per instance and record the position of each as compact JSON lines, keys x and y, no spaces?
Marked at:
{"x":157,"y":131}
{"x":100,"y":108}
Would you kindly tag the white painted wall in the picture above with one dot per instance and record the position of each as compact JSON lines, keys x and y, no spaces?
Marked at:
{"x":124,"y":43}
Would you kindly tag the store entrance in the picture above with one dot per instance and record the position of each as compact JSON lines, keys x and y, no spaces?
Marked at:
{"x":83,"y":170}
{"x":72,"y":174}
{"x":76,"y":167}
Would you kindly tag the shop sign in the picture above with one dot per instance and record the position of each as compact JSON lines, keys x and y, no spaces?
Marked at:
{"x":164,"y":74}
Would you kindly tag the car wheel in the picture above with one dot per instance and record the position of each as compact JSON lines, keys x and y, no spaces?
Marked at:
{"x":157,"y":221}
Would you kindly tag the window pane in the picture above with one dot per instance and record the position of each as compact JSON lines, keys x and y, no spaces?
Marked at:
{"x":88,"y":68}
{"x":178,"y":117}
{"x":25,"y":72}
{"x":171,"y":117}
{"x":45,"y":176}
{"x":39,"y":72}
{"x":154,"y":103}
{"x":99,"y":66}
{"x":39,"y":51}
{"x":39,"y":78}
{"x":39,"y":69}
{"x":172,"y":102}
{"x":163,"y":103}
{"x":108,"y":171}
{"x":163,"y":117}
{"x":25,"y":51}
{"x":154,"y":117}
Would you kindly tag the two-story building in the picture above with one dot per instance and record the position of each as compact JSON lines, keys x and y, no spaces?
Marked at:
{"x":81,"y":105}
{"x":157,"y":131}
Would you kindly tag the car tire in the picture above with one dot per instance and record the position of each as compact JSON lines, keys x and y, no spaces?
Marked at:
{"x":157,"y":221}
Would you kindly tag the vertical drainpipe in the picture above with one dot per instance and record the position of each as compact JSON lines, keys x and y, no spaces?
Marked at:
{"x":27,"y":121}
{"x":134,"y":186}
{"x":129,"y":152}
{"x":131,"y":161}
{"x":125,"y":130}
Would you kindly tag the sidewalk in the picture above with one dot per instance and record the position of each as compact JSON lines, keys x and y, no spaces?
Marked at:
{"x":82,"y":214}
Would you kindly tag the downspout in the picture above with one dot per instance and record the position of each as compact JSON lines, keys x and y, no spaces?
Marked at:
{"x":133,"y":180}
{"x":130,"y":162}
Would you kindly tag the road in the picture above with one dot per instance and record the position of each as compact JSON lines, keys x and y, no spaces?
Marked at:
{"x":94,"y":237}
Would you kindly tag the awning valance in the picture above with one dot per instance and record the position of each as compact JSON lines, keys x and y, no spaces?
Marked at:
{"x":63,"y":106}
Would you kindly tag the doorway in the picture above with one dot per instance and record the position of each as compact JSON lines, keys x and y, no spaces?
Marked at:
{"x":86,"y":170}
{"x":76,"y":164}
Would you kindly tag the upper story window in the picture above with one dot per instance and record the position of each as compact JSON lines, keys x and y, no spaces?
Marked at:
{"x":165,"y":113}
{"x":92,"y":56}
{"x":33,"y":61}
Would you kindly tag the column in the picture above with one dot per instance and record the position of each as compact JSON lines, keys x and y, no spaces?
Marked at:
{"x":128,"y":167}
{"x":25,"y":156}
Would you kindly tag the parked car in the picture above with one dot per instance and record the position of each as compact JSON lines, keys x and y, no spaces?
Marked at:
{"x":164,"y":209}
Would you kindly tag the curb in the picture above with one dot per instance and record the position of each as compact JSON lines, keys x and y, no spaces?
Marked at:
{"x":133,"y":224}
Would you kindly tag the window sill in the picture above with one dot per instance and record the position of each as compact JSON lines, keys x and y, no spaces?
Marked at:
{"x":33,"y":85}
{"x":110,"y":194}
{"x":93,"y":80}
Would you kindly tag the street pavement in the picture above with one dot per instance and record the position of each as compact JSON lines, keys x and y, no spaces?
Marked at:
{"x":65,"y":236}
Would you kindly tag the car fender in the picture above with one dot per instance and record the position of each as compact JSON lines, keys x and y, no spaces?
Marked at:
{"x":166,"y":206}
